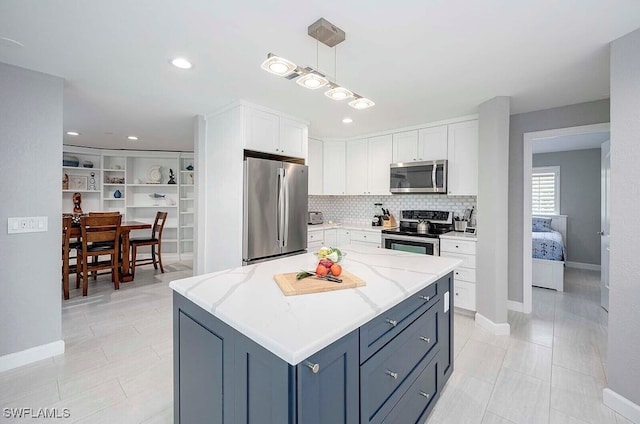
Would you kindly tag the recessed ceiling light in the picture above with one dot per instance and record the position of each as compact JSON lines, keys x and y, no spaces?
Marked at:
{"x":182,"y":63}
{"x":347,"y":120}
{"x":132,"y":137}
{"x":361,"y":103}
{"x":312,"y":81}
{"x":72,"y":133}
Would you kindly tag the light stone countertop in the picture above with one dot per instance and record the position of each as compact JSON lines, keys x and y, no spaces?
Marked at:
{"x":296,"y":327}
{"x":457,"y":235}
{"x":361,"y":227}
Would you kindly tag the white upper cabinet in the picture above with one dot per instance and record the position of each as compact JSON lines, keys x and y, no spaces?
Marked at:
{"x":315,"y":167}
{"x":262,"y":130}
{"x":463,"y":159}
{"x":432,"y":143}
{"x":356,"y":166}
{"x":333,"y":167}
{"x":380,"y":157}
{"x":293,"y":138}
{"x":270,"y":133}
{"x":405,"y":147}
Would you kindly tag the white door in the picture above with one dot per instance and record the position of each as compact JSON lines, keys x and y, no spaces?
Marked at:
{"x":333,"y":166}
{"x":315,"y":167}
{"x":356,"y":166}
{"x":405,"y":147}
{"x":380,"y":157}
{"x":605,"y":203}
{"x":262,"y":131}
{"x":462,"y":154}
{"x":293,"y":138}
{"x":432,"y":144}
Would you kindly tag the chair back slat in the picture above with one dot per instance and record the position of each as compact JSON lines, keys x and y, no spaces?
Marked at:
{"x":158,"y":225}
{"x":100,"y":228}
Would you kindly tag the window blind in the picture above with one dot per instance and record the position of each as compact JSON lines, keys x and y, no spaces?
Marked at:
{"x":544,"y":194}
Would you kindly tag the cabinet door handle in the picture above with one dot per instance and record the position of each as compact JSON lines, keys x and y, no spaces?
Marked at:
{"x":457,"y":247}
{"x":424,"y":394}
{"x":392,"y":374}
{"x":425,"y":298}
{"x":313,"y":367}
{"x":425,"y":339}
{"x":392,"y":322}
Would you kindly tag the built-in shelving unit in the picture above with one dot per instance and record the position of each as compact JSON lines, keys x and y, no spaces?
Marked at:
{"x":125,"y":182}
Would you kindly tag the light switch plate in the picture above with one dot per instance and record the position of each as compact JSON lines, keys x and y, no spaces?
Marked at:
{"x":27,"y":224}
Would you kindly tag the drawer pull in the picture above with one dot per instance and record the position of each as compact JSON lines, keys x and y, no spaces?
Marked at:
{"x":425,"y":339}
{"x":313,"y":367}
{"x":457,"y":294}
{"x":457,"y":273}
{"x":425,"y":298}
{"x":392,"y":374}
{"x":392,"y":322}
{"x":457,"y":247}
{"x":424,"y":394}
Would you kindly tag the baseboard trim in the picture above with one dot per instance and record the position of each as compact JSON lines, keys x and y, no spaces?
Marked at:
{"x":512,"y":305}
{"x":621,"y":405}
{"x":582,"y":265}
{"x":497,"y":329}
{"x":27,"y":356}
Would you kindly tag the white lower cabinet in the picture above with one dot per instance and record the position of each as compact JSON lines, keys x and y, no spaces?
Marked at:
{"x":344,"y":236}
{"x":366,"y":237}
{"x":315,"y":239}
{"x":464,"y":277}
{"x":331,"y":237}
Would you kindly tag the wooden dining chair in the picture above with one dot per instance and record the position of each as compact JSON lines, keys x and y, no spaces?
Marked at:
{"x":100,"y":237}
{"x":111,"y":213}
{"x":154,"y":241}
{"x":67,"y":246}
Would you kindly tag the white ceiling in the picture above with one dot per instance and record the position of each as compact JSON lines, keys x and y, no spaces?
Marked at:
{"x":419,"y":60}
{"x":570,"y":142}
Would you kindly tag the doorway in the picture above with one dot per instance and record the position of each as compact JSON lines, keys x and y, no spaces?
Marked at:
{"x":531,"y":139}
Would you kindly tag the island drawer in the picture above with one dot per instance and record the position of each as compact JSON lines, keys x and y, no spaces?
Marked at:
{"x":458,"y":246}
{"x":418,"y":400}
{"x":388,"y":373}
{"x":380,"y":330}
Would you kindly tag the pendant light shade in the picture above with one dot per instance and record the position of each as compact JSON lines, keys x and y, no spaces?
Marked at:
{"x":278,"y":65}
{"x":361,"y":103}
{"x":312,"y":81}
{"x":338,"y":93}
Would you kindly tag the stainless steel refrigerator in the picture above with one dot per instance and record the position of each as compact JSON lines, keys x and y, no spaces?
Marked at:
{"x":275,"y":209}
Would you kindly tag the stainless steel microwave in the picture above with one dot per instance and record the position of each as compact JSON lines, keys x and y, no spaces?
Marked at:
{"x":419,"y":177}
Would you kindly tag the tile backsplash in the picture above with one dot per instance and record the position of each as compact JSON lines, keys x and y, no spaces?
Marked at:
{"x":360,"y":209}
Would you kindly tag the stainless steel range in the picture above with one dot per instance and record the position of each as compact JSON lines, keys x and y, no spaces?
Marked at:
{"x":418,"y":232}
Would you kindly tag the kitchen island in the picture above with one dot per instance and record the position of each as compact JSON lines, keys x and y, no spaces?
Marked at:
{"x":244,"y":352}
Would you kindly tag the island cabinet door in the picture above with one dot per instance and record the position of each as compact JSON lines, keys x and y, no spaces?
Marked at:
{"x":203,"y":375}
{"x":328,"y":384}
{"x":265,"y":385}
{"x":445,"y":366}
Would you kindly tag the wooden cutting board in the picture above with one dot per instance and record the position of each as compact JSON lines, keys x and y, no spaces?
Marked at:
{"x":291,"y":287}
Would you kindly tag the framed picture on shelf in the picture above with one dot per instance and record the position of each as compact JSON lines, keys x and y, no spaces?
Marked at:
{"x":78,"y":182}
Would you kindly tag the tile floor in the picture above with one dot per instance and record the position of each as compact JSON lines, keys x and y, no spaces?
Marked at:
{"x":117,"y":367}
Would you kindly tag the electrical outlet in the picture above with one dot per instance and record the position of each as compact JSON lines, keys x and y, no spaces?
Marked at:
{"x":27,"y":224}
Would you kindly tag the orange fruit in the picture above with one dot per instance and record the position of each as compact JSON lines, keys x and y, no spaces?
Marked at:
{"x":322,"y":270}
{"x":336,"y":269}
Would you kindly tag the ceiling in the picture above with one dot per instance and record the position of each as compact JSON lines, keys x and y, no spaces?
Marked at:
{"x":570,"y":142}
{"x":420,"y":61}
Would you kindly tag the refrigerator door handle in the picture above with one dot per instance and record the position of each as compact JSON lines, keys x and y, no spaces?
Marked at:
{"x":286,"y":211}
{"x":280,"y":212}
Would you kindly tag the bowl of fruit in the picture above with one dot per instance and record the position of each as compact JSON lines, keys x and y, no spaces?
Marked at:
{"x":329,"y":260}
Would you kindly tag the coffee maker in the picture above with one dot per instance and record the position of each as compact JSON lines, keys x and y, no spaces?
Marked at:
{"x":376,"y":221}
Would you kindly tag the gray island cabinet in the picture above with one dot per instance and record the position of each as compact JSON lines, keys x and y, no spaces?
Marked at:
{"x":387,"y":365}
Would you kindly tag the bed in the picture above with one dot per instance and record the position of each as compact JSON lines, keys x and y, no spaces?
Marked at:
{"x":549,"y":252}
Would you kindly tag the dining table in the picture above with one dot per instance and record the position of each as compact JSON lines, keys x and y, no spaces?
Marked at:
{"x":125,"y":228}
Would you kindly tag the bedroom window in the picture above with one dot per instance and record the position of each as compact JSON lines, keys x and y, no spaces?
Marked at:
{"x":545,"y":188}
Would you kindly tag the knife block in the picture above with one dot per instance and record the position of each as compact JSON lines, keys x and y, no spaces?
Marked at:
{"x":391,"y":222}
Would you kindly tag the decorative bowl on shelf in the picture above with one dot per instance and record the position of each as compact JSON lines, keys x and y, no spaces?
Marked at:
{"x":68,"y":160}
{"x":87,"y":164}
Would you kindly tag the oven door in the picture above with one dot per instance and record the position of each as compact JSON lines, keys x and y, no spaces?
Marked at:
{"x":424,"y":246}
{"x":419,"y":177}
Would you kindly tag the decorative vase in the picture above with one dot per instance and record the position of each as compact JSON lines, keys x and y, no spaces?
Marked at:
{"x":117,"y":194}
